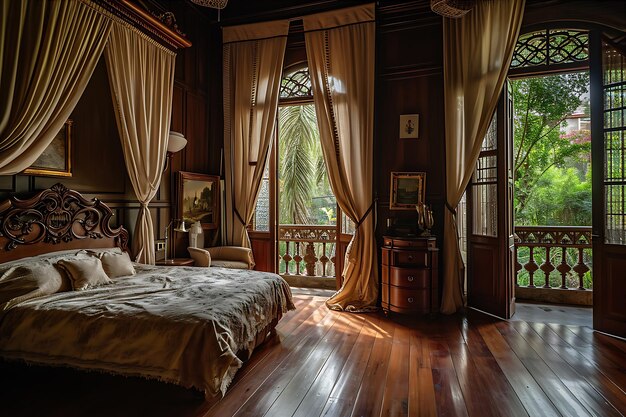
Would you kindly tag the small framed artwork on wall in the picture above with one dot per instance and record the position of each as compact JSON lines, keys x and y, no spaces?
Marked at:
{"x":409,"y":126}
{"x":407,"y":190}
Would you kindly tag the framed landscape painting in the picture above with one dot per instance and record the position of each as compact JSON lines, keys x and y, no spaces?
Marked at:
{"x":198,"y":199}
{"x":56,"y":159}
{"x":407,"y":190}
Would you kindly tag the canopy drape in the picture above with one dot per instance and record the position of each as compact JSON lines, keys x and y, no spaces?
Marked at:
{"x":48,"y":51}
{"x":340,"y":47}
{"x":141,"y":77}
{"x":253,"y":64}
{"x":477,"y":53}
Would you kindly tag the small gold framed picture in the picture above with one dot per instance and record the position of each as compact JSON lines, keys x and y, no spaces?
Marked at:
{"x":407,"y":190}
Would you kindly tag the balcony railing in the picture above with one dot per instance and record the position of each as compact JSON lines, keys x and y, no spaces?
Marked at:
{"x":307,"y":250}
{"x":553,"y":257}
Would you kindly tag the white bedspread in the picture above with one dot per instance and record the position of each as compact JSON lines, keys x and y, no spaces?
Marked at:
{"x":182,"y":325}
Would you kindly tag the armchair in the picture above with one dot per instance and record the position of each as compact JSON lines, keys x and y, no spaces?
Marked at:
{"x":224,"y":256}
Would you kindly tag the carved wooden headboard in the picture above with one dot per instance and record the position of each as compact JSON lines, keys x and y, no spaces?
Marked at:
{"x":56,"y":219}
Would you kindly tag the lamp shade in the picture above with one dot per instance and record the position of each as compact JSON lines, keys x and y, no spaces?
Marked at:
{"x":176,"y":142}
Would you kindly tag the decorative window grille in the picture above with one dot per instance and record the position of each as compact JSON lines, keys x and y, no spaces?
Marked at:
{"x":551,"y":48}
{"x":485,"y":185}
{"x":296,"y":85}
{"x":614,"y":85}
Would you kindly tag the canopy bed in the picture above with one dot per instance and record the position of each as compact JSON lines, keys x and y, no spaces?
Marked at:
{"x":70,"y":296}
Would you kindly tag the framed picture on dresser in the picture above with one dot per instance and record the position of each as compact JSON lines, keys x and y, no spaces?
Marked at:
{"x":199,"y":199}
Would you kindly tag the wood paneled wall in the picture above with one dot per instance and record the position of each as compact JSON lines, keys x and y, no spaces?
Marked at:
{"x":98,"y":163}
{"x":409,"y":80}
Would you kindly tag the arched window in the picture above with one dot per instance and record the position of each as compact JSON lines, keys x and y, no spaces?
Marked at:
{"x":296,"y":86}
{"x":550,"y":50}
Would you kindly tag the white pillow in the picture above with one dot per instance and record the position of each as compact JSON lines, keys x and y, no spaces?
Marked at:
{"x":85,"y":273}
{"x":117,"y":264}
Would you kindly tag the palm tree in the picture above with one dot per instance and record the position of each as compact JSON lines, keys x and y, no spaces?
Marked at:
{"x":301,"y":162}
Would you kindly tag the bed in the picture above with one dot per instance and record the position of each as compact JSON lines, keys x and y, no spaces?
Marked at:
{"x":189,"y":326}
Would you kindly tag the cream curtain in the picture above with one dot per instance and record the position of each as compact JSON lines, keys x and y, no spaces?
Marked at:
{"x":141,"y":75}
{"x":340,"y":50}
{"x":48,"y":51}
{"x":253,"y":65}
{"x":477,"y":52}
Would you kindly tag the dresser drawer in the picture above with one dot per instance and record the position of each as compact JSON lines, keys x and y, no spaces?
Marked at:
{"x":403,"y":243}
{"x":408,"y":278}
{"x":410,"y":258}
{"x":404,"y":300}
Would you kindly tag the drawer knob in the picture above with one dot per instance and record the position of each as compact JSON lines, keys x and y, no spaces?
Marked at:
{"x":410,"y":299}
{"x":410,"y":278}
{"x":410,"y":257}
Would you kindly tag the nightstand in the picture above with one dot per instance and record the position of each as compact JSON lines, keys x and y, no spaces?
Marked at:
{"x":175,"y":262}
{"x":409,"y":279}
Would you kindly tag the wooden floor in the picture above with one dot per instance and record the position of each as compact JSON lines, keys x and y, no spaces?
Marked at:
{"x":339,"y":364}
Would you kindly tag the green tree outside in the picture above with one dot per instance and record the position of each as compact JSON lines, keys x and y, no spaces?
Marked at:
{"x":550,"y":165}
{"x":552,"y":168}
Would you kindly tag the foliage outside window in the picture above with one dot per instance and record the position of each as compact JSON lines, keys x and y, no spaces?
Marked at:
{"x":552,"y":161}
{"x":552,"y":165}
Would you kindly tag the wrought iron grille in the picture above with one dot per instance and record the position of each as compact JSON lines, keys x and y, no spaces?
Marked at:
{"x":614,"y":69}
{"x":551,"y":47}
{"x":296,"y":85}
{"x":485,"y":185}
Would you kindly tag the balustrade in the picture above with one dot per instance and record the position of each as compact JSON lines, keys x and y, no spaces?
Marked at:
{"x":561,"y":253}
{"x":307,"y":250}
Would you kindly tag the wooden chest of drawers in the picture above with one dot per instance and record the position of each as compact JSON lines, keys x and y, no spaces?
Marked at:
{"x":409,"y":275}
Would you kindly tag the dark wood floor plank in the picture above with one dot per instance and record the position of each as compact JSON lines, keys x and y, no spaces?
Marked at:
{"x":607,"y":388}
{"x":422,"y":402}
{"x":342,"y":398}
{"x":609,"y":363}
{"x":534,"y":399}
{"x":562,"y":398}
{"x":317,"y":396}
{"x":396,"y":394}
{"x":325,"y":357}
{"x":591,"y":399}
{"x":448,"y":393}
{"x":486,"y":372}
{"x":369,"y":399}
{"x":601,"y":343}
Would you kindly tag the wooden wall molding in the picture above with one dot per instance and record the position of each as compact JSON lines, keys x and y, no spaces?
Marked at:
{"x":146,"y":22}
{"x":404,"y":72}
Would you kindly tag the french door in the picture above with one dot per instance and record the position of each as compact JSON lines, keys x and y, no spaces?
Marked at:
{"x":490,"y":219}
{"x":608,"y":106}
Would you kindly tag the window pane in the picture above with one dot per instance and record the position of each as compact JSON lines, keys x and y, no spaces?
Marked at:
{"x":262,"y":211}
{"x":484,"y":189}
{"x":614,"y":145}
